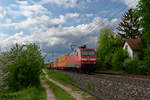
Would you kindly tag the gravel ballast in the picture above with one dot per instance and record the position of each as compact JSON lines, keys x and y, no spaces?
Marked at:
{"x":113,"y":87}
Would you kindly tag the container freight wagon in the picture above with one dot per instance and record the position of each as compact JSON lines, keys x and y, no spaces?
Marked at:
{"x":54,"y":64}
{"x":49,"y":66}
{"x":62,"y":62}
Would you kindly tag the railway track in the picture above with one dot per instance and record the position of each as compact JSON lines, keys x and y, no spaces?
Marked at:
{"x":98,"y":74}
{"x":120,"y":87}
{"x":128,"y":79}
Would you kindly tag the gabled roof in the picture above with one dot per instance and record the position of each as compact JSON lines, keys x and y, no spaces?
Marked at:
{"x":133,"y":43}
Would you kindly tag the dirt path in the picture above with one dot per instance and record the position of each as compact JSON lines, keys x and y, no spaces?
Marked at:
{"x":76,"y":95}
{"x":49,"y":93}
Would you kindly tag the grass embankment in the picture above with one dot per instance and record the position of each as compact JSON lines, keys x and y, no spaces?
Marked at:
{"x":63,"y":78}
{"x":59,"y":93}
{"x":66,"y":80}
{"x":26,"y":94}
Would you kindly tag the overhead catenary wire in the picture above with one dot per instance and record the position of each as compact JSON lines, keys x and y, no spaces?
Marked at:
{"x":91,"y":29}
{"x":112,"y":27}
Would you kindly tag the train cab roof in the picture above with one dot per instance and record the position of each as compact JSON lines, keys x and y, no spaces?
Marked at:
{"x":86,"y":48}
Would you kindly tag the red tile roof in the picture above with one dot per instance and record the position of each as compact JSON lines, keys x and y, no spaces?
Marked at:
{"x":134,"y":43}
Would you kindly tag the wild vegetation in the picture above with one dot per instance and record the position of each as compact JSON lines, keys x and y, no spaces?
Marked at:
{"x":144,"y":15}
{"x":110,"y":53}
{"x":20,"y":70}
{"x":134,"y":24}
{"x":63,"y":78}
{"x":58,"y":92}
{"x":66,"y":80}
{"x":129,"y":26}
{"x":26,"y":69}
{"x":33,"y":94}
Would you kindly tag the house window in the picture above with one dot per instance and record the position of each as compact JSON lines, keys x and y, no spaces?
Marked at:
{"x":126,"y":47}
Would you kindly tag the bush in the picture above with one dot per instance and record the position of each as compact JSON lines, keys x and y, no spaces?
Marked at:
{"x":130,"y":66}
{"x":6,"y":59}
{"x":25,"y":70}
{"x":104,"y":49}
{"x":135,"y":66}
{"x":118,"y":58}
{"x":4,"y":69}
{"x":147,"y":60}
{"x":109,"y":51}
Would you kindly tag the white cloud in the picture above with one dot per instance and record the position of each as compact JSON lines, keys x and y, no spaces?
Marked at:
{"x":49,"y":31}
{"x":8,"y":21}
{"x":2,"y":35}
{"x":38,"y":22}
{"x":22,"y":2}
{"x":129,"y":3}
{"x":72,"y":15}
{"x":33,"y":10}
{"x":60,"y":35}
{"x":23,"y":8}
{"x":43,"y":22}
{"x":2,"y":12}
{"x":59,"y":20}
{"x":69,"y":3}
{"x":65,"y":3}
{"x":89,"y":15}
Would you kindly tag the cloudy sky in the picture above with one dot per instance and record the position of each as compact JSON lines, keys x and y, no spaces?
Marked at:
{"x":56,"y":24}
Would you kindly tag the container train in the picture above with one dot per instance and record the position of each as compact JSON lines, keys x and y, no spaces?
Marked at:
{"x":82,"y":60}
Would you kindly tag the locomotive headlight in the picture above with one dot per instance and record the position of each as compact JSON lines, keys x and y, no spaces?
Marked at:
{"x":93,"y":59}
{"x":83,"y":58}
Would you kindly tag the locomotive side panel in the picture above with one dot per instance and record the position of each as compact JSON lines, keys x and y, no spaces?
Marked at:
{"x":72,"y":60}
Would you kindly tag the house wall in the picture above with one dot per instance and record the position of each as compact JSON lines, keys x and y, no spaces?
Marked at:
{"x":129,"y":50}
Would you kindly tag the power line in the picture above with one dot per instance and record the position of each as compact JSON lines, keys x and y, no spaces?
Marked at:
{"x":110,"y":18}
{"x":82,"y":38}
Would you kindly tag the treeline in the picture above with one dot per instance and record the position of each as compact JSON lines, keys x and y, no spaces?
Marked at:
{"x":134,"y":24}
{"x":20,"y":67}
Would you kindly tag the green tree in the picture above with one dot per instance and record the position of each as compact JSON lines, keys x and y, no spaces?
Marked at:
{"x":4,"y":70}
{"x":118,"y":58}
{"x":129,"y":26}
{"x":6,"y":59}
{"x":144,"y":15}
{"x":143,"y":11}
{"x":109,"y":51}
{"x":104,"y":50}
{"x":25,"y":70}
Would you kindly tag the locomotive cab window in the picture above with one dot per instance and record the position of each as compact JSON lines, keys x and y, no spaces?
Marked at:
{"x":87,"y":52}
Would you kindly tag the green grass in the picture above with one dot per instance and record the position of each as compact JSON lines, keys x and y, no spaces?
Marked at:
{"x":26,"y":94}
{"x":63,"y":78}
{"x":59,"y":93}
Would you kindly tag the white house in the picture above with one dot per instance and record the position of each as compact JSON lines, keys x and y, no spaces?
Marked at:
{"x":132,"y":46}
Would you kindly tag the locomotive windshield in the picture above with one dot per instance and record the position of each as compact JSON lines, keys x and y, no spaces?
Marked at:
{"x":87,"y":52}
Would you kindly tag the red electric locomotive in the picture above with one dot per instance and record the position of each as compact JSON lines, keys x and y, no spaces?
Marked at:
{"x":84,"y":59}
